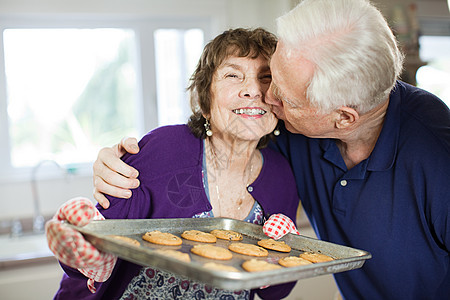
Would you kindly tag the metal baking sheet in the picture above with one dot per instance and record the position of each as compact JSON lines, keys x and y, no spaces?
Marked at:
{"x":98,"y":233}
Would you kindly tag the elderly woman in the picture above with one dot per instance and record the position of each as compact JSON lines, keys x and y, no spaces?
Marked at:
{"x":215,"y":166}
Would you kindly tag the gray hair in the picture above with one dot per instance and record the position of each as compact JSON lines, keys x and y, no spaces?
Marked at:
{"x":355,"y":54}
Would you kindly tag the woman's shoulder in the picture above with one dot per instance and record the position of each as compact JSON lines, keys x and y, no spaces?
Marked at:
{"x":174,"y":143}
{"x":170,"y":134}
{"x":278,"y":190}
{"x":276,"y":167}
{"x":274,"y":159}
{"x":171,"y":137}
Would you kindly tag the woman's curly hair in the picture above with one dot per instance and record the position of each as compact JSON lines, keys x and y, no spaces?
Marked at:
{"x":234,"y":42}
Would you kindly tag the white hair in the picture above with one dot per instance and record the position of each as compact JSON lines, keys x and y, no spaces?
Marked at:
{"x":354,"y":52}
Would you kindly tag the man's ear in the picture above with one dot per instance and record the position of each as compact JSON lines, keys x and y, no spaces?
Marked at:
{"x":346,"y":117}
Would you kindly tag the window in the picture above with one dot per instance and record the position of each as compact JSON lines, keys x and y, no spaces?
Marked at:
{"x":435,"y":76}
{"x":177,"y":53}
{"x":70,"y":90}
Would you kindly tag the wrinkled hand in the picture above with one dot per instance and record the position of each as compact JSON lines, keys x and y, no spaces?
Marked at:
{"x":278,"y":225}
{"x":111,"y":175}
{"x":70,"y":247}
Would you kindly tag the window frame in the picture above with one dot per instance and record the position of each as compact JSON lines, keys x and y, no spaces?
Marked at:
{"x":147,"y":110}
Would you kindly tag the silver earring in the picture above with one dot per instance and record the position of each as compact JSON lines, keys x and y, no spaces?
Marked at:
{"x":276,"y":132}
{"x":208,"y":128}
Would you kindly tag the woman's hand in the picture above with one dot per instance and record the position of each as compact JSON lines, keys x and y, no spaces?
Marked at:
{"x":111,"y":175}
{"x":70,"y":247}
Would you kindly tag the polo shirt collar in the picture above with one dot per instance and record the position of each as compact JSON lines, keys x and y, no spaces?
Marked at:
{"x":332,"y":153}
{"x":383,"y":155}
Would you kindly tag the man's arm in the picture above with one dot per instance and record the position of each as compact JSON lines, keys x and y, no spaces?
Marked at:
{"x":111,"y":175}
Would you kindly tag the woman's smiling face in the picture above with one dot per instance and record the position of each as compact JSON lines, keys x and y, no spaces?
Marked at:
{"x":238,"y":90}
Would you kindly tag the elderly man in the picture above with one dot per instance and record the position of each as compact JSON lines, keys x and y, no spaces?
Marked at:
{"x":370,"y":154}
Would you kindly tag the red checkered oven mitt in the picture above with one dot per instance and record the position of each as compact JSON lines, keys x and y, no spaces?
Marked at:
{"x":278,"y":225}
{"x":70,"y":247}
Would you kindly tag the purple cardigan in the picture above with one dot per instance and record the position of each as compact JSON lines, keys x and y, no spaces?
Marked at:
{"x":170,"y":168}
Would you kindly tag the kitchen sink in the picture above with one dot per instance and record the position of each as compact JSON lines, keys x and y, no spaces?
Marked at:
{"x":23,"y":248}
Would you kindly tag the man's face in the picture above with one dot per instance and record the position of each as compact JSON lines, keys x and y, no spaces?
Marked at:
{"x":291,"y":74}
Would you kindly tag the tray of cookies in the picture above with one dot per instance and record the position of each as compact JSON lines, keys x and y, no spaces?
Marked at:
{"x":222,"y":252}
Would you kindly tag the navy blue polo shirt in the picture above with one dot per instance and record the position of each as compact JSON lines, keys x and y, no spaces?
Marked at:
{"x":395,"y":204}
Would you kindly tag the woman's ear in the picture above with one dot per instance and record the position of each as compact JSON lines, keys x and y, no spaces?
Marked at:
{"x":346,"y":117}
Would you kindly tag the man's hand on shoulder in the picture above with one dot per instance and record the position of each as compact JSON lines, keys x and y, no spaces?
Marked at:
{"x":111,"y":175}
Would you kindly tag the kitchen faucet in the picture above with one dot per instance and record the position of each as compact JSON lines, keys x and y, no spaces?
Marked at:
{"x":38,"y":218}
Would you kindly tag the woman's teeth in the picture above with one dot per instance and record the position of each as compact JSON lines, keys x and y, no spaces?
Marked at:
{"x":250,"y":112}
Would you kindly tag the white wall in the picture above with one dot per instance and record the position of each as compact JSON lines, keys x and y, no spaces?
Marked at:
{"x":227,"y":13}
{"x":15,"y":195}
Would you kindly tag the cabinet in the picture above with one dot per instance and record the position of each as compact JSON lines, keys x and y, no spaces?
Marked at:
{"x":37,"y":281}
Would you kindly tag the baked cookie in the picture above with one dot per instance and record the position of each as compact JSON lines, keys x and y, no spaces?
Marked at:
{"x":162,"y":238}
{"x":255,"y":265}
{"x":175,"y":254}
{"x":248,"y":249}
{"x":220,"y":267}
{"x":275,"y":245}
{"x":126,"y":239}
{"x":198,"y":236}
{"x":210,"y":251}
{"x":293,"y":261}
{"x":315,"y":257}
{"x":229,"y":235}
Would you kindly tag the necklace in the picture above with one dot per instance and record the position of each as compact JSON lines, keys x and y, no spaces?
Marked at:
{"x":243,"y":191}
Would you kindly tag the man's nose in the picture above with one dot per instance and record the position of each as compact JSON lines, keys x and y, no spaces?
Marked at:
{"x":271,"y":99}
